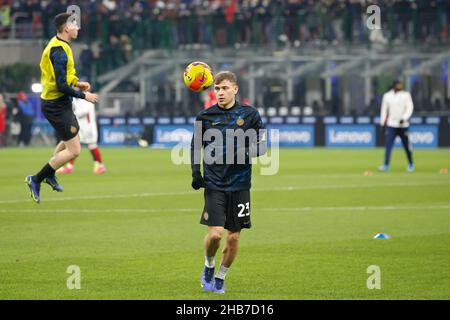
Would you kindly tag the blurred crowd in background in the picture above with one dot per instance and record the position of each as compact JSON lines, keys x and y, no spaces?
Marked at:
{"x":114,"y":30}
{"x":211,"y":21}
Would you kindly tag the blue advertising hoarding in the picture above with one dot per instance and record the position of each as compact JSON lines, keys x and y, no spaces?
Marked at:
{"x":425,"y":132}
{"x":121,"y":135}
{"x":168,"y":136}
{"x":421,"y":136}
{"x":350,"y":136}
{"x":292,"y":135}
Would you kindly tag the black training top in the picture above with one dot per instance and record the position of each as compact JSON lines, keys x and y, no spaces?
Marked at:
{"x":227,"y":166}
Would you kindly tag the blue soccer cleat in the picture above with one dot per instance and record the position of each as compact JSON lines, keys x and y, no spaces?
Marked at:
{"x":52,"y":182}
{"x":411,"y":167}
{"x":207,"y":280}
{"x":383,"y":168}
{"x":219,"y":286}
{"x":34,"y":188}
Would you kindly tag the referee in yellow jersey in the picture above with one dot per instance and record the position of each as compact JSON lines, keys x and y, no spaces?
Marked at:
{"x":59,"y":80}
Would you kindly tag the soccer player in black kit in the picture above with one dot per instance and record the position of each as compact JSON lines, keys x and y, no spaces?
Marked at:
{"x":230,"y":134}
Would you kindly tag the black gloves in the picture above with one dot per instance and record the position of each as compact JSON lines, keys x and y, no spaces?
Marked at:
{"x":197,"y":180}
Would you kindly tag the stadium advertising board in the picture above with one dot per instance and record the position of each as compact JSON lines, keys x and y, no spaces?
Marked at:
{"x":121,"y":135}
{"x":360,"y":134}
{"x":167,"y":136}
{"x":421,"y":136}
{"x":292,"y":135}
{"x":357,"y":136}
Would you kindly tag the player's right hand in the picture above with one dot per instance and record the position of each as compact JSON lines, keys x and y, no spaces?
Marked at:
{"x":91,"y":97}
{"x":197,"y":181}
{"x":83,"y":86}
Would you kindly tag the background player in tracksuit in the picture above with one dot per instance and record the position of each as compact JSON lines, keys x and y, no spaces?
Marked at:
{"x":227,"y":185}
{"x":58,"y":78}
{"x":396,"y":110}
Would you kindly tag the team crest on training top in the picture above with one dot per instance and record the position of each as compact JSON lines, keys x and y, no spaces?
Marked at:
{"x":205,"y":215}
{"x":240,"y":122}
{"x":73,"y":129}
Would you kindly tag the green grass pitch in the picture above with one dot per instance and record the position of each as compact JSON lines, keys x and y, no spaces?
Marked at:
{"x":135,"y":233}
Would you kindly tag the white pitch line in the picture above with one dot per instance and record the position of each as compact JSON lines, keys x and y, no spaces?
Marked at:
{"x":357,"y":176}
{"x":351,"y":186}
{"x":193,"y":193}
{"x":110,"y":196}
{"x":124,"y":210}
{"x":295,"y":209}
{"x":363,"y":208}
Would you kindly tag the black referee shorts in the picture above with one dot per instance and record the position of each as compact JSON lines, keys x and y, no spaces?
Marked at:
{"x":62,"y":119}
{"x":230,"y":210}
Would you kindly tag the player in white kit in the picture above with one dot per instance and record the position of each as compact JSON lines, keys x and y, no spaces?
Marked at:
{"x":85,"y":113}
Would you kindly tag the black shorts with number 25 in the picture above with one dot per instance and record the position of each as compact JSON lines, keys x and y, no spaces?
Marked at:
{"x":230,"y":210}
{"x":62,"y":119}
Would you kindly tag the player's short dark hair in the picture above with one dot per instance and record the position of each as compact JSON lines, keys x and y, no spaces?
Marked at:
{"x":395,"y":83}
{"x":225,"y":75}
{"x":60,"y":21}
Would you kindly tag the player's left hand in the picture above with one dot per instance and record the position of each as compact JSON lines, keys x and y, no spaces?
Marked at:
{"x":84,"y":86}
{"x":197,"y":181}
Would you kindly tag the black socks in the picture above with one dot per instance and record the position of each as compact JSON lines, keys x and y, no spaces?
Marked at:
{"x":46,"y":171}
